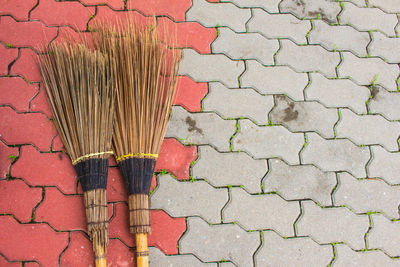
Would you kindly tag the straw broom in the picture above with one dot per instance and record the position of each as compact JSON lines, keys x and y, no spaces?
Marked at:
{"x":81,"y":96}
{"x":145,"y":78}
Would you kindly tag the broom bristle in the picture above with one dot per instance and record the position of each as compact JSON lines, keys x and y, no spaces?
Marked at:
{"x":81,"y":95}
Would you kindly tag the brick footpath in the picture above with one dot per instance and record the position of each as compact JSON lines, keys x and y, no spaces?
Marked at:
{"x":282,"y":149}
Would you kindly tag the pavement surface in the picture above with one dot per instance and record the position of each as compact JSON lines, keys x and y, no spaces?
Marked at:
{"x":282,"y":149}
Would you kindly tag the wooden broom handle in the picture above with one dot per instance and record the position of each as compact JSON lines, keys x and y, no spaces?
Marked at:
{"x":101,"y":258}
{"x":142,"y":251}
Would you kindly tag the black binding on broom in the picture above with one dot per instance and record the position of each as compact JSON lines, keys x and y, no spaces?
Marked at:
{"x":137,"y":173}
{"x":92,"y":173}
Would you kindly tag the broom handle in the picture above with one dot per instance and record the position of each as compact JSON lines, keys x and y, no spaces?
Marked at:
{"x":101,"y":259}
{"x":142,"y":251}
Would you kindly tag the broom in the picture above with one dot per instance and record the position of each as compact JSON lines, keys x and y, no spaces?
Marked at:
{"x":81,"y":96}
{"x":145,"y":77}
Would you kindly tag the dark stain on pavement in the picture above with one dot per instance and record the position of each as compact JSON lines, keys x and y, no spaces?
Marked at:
{"x":290,"y":113}
{"x":192,"y":125}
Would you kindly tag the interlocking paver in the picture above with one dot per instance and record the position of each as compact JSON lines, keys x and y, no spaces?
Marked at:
{"x":368,"y":130}
{"x":207,"y":68}
{"x":226,"y":169}
{"x":302,"y":251}
{"x":274,"y":80}
{"x":289,"y":26}
{"x":24,"y":236}
{"x":25,"y":66}
{"x":384,"y":165}
{"x":385,"y":234}
{"x":335,"y":155}
{"x":385,"y":47}
{"x":158,"y":258}
{"x":337,"y":93}
{"x":367,"y":195}
{"x":200,"y":128}
{"x":245,"y":46}
{"x":16,"y":92}
{"x":7,"y":55}
{"x":325,"y":9}
{"x":390,"y":6}
{"x":345,"y":256}
{"x":236,"y":103}
{"x":308,"y":58}
{"x":26,"y":34}
{"x":339,"y":38}
{"x":189,"y":94}
{"x":114,"y":4}
{"x":19,"y":9}
{"x":344,"y":225}
{"x":201,"y":199}
{"x":384,"y":103}
{"x":18,"y":199}
{"x":160,"y":7}
{"x":268,"y":141}
{"x":365,"y":19}
{"x":299,"y":182}
{"x":7,"y":155}
{"x":269,"y":5}
{"x":218,"y":14}
{"x":366,"y":71}
{"x":304,"y":116}
{"x":223,"y":241}
{"x":259,"y":212}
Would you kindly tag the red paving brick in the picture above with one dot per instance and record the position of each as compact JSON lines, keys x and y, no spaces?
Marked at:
{"x":19,"y":9}
{"x":31,"y":264}
{"x":31,"y":242}
{"x":190,"y":94}
{"x":104,"y":13}
{"x":176,"y":158}
{"x":45,"y":169}
{"x":5,"y":263}
{"x":115,"y":186}
{"x":165,"y":230}
{"x":7,"y":55}
{"x":161,"y":7}
{"x":79,"y":252}
{"x":26,"y":66}
{"x":5,"y":159}
{"x":119,"y":255}
{"x":39,"y":103}
{"x":26,"y":34}
{"x":18,"y":199}
{"x":189,"y":34}
{"x":26,"y":128}
{"x":16,"y":92}
{"x":54,"y":13}
{"x":114,"y":4}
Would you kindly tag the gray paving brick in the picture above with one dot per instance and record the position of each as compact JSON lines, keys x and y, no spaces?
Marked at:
{"x":367,"y":195}
{"x":359,"y":3}
{"x":339,"y":38}
{"x":269,"y":5}
{"x":218,"y":14}
{"x":274,"y":80}
{"x":385,"y":234}
{"x":206,"y":68}
{"x":157,"y":258}
{"x":217,"y":242}
{"x":331,"y":225}
{"x":200,"y":128}
{"x":365,"y":19}
{"x":308,"y":58}
{"x":368,"y":130}
{"x":245,"y":46}
{"x":181,"y":199}
{"x":385,"y":47}
{"x":226,"y":264}
{"x":289,"y":26}
{"x":345,"y":256}
{"x":385,"y":103}
{"x":268,"y":141}
{"x":384,"y":165}
{"x":337,"y":93}
{"x":325,"y":9}
{"x":304,"y":116}
{"x":299,"y":182}
{"x":335,"y":155}
{"x":224,"y":169}
{"x":389,"y":6}
{"x":260,"y":212}
{"x":236,"y":103}
{"x":366,"y":71}
{"x":302,"y":251}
